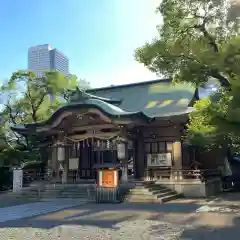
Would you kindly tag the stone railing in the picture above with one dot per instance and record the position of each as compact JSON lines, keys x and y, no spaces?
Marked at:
{"x":183,"y":174}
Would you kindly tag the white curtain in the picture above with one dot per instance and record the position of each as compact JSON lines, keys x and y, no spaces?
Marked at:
{"x":227,"y":167}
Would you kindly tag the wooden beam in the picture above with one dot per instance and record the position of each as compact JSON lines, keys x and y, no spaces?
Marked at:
{"x":84,"y":128}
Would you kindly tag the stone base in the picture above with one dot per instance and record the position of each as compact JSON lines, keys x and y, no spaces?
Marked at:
{"x":194,"y":188}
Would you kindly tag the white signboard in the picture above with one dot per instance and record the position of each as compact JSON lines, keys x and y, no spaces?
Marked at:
{"x":159,"y":160}
{"x":17,"y":180}
{"x":61,"y":153}
{"x":73,"y":163}
{"x":121,"y":150}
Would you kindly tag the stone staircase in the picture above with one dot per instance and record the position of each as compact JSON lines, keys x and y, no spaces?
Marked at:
{"x":55,"y":191}
{"x":84,"y":192}
{"x":150,"y":193}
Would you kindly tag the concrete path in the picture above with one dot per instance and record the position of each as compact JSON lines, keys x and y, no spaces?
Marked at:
{"x":34,"y":209}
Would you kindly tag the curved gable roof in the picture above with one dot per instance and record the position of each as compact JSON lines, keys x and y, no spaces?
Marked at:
{"x":156,"y":98}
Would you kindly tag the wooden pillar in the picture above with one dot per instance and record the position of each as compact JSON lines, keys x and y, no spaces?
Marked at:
{"x":139,"y":161}
{"x":55,"y":165}
{"x":65,"y":166}
{"x":177,"y":157}
{"x":125,"y":164}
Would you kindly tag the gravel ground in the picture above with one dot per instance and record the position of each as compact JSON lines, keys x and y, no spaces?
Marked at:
{"x":104,"y":221}
{"x":138,"y":230}
{"x":171,"y":221}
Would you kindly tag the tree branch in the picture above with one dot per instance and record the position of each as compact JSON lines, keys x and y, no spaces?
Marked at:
{"x":224,"y":82}
{"x":34,"y":117}
{"x":39,"y":102}
{"x":207,"y":35}
{"x":10,"y":113}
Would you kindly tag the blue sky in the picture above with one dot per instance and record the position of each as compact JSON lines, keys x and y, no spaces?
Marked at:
{"x":98,"y":36}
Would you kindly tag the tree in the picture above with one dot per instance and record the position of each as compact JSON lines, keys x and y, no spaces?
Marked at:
{"x":198,"y":42}
{"x":29,"y":99}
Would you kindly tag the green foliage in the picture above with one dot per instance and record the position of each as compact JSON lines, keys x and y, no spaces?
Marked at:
{"x":28,"y":99}
{"x":199,"y":42}
{"x":216,"y":120}
{"x":196,"y":42}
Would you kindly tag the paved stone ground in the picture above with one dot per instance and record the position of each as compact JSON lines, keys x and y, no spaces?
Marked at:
{"x":174,"y":220}
{"x":14,"y":202}
{"x":34,"y":209}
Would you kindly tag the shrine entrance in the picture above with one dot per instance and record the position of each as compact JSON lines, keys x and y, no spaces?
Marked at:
{"x":94,"y":152}
{"x":88,"y":153}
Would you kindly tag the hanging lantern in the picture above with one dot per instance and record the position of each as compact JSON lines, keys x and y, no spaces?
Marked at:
{"x":121,"y":151}
{"x":108,"y":144}
{"x":60,"y":152}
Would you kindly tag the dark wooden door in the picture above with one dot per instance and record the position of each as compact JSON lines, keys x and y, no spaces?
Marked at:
{"x":86,"y":162}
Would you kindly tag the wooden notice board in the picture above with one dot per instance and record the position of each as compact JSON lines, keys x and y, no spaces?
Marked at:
{"x":108,"y":178}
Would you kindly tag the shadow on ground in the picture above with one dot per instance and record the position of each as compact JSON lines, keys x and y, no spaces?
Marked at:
{"x":208,"y":231}
{"x":107,"y":215}
{"x":195,"y":226}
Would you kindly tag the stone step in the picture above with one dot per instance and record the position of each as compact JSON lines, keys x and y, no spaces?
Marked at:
{"x":149,"y":199}
{"x":164,"y":194}
{"x":170,"y":197}
{"x":67,"y":192}
{"x":141,"y":196}
{"x":62,"y":187}
{"x":156,"y":187}
{"x":59,"y":196}
{"x":65,"y":195}
{"x":137,"y":200}
{"x":151,"y":193}
{"x":140,"y":187}
{"x":159,"y":191}
{"x":66,"y":189}
{"x":141,"y":199}
{"x":139,"y":191}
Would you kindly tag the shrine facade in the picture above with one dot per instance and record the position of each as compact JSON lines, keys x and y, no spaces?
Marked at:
{"x":143,"y":122}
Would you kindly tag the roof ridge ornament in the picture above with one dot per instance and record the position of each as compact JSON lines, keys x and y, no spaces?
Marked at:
{"x":79,"y":95}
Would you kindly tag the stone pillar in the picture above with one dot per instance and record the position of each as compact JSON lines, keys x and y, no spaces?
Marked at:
{"x":177,"y":159}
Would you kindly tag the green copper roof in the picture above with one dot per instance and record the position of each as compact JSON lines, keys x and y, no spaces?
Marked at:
{"x":107,"y":108}
{"x":82,"y":95}
{"x":158,"y":98}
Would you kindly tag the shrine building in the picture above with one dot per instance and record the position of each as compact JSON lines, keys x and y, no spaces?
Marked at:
{"x":144,"y":120}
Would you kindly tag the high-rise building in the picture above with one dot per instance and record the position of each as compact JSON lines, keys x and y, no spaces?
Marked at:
{"x":43,"y":58}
